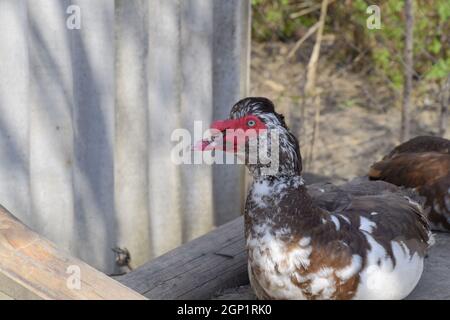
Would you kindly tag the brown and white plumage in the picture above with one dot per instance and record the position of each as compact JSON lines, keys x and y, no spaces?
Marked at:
{"x":361,"y":240}
{"x":422,"y":163}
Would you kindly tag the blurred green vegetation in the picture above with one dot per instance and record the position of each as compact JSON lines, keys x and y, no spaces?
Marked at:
{"x":382,"y":50}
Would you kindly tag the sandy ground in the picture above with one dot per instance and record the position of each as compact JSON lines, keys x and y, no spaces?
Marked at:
{"x":359,"y":122}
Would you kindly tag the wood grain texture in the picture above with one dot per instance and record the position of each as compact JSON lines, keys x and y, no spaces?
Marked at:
{"x":32,"y":267}
{"x":196,"y":270}
{"x":435,"y":281}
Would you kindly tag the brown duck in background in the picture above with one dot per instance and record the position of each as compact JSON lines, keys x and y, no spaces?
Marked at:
{"x":422,"y":163}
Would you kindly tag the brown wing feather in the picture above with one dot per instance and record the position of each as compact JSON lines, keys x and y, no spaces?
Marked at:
{"x":438,"y":202}
{"x":396,"y":219}
{"x":394,"y":211}
{"x":422,"y":163}
{"x":422,"y":144}
{"x":412,"y":169}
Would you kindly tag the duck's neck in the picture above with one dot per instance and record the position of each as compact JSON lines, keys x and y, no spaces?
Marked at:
{"x":282,"y":198}
{"x":281,"y":204}
{"x":284,"y":158}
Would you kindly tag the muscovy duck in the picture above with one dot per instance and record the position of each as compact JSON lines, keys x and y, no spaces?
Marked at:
{"x":422,"y":163}
{"x":362,"y":240}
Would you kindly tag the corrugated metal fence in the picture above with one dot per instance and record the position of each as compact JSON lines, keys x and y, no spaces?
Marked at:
{"x":86,"y":117}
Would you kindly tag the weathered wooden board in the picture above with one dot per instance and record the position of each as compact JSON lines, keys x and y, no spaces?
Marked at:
{"x":32,"y":267}
{"x":215,"y":266}
{"x":435,"y":281}
{"x":5,"y":297}
{"x":197,"y":269}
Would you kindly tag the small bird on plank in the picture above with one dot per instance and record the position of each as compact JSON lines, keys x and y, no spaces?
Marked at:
{"x":361,"y":240}
{"x":422,"y":163}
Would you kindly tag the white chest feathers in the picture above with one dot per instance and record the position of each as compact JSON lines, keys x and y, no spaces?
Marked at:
{"x":272,"y":265}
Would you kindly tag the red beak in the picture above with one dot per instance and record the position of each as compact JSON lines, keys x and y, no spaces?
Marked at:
{"x":218,"y":139}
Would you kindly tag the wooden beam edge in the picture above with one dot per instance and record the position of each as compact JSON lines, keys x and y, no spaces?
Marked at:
{"x":35,"y":264}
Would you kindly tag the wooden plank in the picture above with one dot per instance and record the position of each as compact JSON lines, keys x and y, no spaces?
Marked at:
{"x":435,"y":281}
{"x":4,"y":296}
{"x":32,"y":266}
{"x":196,"y":270}
{"x":10,"y":289}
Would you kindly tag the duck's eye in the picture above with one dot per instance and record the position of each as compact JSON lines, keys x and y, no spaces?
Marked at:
{"x":251,"y":123}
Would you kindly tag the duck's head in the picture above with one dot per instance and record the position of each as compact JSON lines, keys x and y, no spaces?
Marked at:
{"x":258,"y":135}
